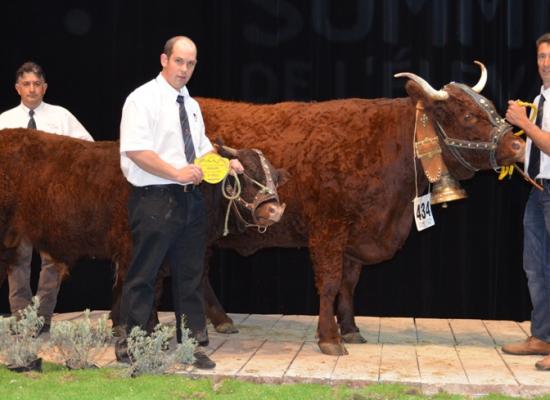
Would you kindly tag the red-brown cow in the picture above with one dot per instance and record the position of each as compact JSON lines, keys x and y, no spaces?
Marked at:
{"x":69,"y":197}
{"x":352,"y":168}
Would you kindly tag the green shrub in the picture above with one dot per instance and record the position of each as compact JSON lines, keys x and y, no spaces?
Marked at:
{"x":149,"y":353}
{"x":76,"y":340}
{"x":19,"y":343}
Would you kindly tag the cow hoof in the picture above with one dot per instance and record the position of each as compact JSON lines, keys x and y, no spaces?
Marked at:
{"x":227,"y":328}
{"x":333,"y":349}
{"x":354,"y":337}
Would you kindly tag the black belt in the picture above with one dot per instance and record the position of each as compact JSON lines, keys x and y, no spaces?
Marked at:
{"x":542,"y":181}
{"x":172,"y":187}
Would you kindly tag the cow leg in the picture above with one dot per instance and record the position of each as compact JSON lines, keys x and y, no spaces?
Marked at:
{"x":3,"y":273}
{"x":118,"y":329}
{"x":327,"y":249}
{"x":344,"y":311}
{"x":214,"y":310}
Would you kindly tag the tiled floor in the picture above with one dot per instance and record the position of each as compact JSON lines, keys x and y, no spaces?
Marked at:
{"x":457,"y":356}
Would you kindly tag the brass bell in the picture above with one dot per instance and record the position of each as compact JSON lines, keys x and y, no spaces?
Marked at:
{"x":447,"y":189}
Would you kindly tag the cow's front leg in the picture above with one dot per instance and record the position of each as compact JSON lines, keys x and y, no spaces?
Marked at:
{"x":345,"y":311}
{"x":116,"y":317}
{"x":214,"y":310}
{"x":326,"y":249}
{"x":3,"y":273}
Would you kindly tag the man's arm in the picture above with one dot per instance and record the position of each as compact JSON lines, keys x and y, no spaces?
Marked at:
{"x":517,"y":116}
{"x":149,"y":161}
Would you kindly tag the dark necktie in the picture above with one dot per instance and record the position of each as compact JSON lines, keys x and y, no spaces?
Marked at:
{"x":186,"y":132}
{"x":32,"y":123}
{"x":534,"y":154}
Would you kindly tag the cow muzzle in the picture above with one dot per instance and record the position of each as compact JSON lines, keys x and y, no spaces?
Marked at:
{"x":511,"y":150}
{"x":268,"y":213}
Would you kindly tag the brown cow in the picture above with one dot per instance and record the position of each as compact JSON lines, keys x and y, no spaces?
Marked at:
{"x":353,"y":179}
{"x":68,"y":197}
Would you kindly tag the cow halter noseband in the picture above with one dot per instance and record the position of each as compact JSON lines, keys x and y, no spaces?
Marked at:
{"x":500,"y":127}
{"x":267,"y":192}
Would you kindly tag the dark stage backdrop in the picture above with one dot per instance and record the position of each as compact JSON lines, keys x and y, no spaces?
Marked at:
{"x":467,"y":266}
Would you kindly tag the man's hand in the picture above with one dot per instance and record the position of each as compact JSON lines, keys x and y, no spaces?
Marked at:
{"x":190,"y":173}
{"x":517,"y":115}
{"x":236,"y":166}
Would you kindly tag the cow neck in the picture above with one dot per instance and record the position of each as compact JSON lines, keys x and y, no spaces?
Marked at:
{"x":427,"y":148}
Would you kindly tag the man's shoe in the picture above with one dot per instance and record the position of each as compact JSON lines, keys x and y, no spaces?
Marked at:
{"x":121,"y":351}
{"x":202,"y":361}
{"x":530,"y":346}
{"x":544,"y":364}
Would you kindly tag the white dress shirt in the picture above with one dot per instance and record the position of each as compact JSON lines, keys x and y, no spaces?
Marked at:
{"x":48,"y":118}
{"x":150,"y":121}
{"x":544,"y":158}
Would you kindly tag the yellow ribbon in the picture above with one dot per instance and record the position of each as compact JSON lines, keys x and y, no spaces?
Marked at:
{"x":509,"y":169}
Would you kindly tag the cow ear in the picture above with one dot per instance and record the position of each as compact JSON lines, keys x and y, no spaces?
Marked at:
{"x":284,"y":176}
{"x":415,"y":91}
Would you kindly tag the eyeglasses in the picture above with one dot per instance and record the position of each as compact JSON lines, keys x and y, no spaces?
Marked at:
{"x":28,"y":84}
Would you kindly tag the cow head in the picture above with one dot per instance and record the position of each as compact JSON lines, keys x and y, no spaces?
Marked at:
{"x":256,"y":201}
{"x":472,"y":134}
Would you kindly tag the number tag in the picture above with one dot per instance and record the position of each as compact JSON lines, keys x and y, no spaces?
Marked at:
{"x":423,"y":212}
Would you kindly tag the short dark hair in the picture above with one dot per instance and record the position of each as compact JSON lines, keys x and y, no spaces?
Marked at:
{"x":30,"y":67}
{"x":543,"y":39}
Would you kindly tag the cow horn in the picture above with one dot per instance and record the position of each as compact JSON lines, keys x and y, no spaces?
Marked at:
{"x":482,"y":80}
{"x":430,"y":91}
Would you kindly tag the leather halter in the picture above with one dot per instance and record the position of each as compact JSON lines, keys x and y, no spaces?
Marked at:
{"x":266,"y":193}
{"x":500,"y":127}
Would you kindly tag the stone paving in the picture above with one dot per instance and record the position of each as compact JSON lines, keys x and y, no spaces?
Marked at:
{"x":453,"y":355}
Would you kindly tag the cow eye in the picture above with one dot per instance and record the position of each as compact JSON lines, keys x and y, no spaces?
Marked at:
{"x":470,"y":119}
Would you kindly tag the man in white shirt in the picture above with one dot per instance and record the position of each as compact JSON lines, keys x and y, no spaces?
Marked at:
{"x":161,"y":133}
{"x":536,"y":219}
{"x":34,"y":113}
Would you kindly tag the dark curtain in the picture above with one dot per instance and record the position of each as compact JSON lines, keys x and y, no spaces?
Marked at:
{"x":469,"y":265}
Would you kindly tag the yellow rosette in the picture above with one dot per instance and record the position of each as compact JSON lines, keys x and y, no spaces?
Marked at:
{"x":214,"y":167}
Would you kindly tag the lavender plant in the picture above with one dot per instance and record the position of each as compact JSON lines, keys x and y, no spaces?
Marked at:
{"x":149,"y":355}
{"x":77,"y":340}
{"x":147,"y":352}
{"x":19,"y":341}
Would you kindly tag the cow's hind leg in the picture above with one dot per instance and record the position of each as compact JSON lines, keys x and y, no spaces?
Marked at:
{"x":344,"y":304}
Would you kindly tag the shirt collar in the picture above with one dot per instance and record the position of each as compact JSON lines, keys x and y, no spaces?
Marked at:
{"x":545,"y":92}
{"x":27,"y":109}
{"x":169,"y":89}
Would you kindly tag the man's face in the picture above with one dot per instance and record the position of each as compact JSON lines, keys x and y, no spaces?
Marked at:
{"x":178,"y":69}
{"x":31,"y":88}
{"x":543,"y":61}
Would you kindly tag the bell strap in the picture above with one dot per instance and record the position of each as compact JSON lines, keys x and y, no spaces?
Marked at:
{"x":427,"y":148}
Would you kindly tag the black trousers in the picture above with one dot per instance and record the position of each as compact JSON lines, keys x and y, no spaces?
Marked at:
{"x":166,"y":223}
